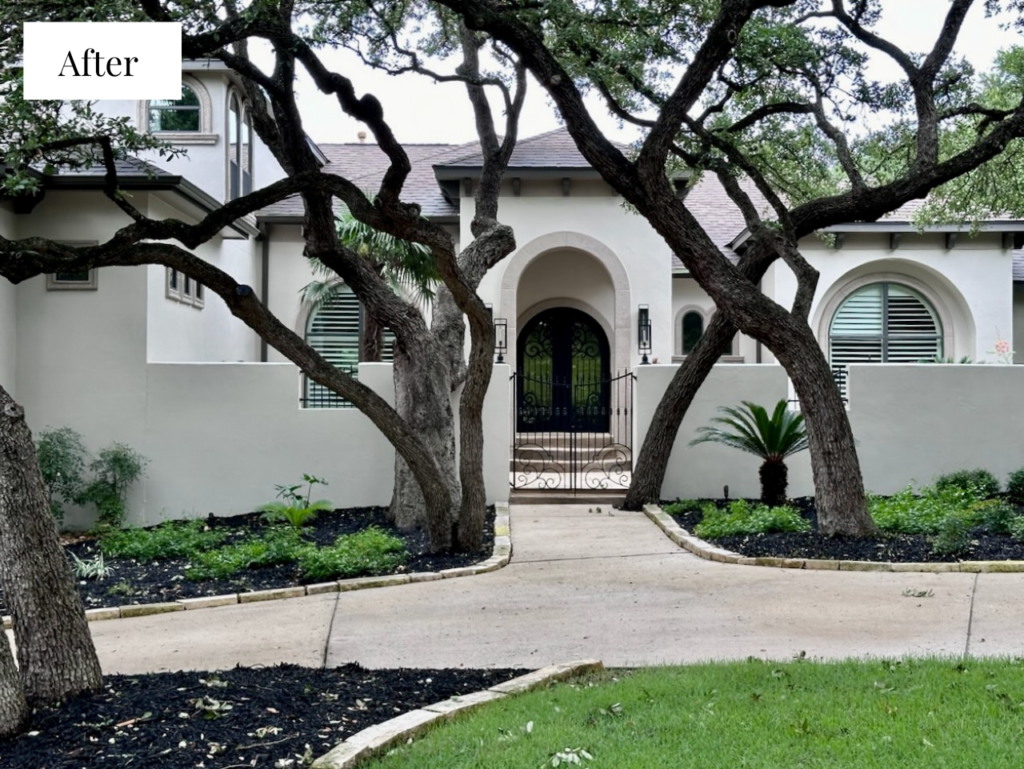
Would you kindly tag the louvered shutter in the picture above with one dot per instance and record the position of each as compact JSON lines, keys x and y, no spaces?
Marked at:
{"x":856,"y":334}
{"x":913,"y":329}
{"x":333,"y":331}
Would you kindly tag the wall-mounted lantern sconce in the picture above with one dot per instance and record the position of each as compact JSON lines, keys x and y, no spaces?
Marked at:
{"x":644,"y":333}
{"x":500,"y":338}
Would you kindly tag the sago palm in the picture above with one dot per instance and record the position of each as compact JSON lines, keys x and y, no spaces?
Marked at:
{"x":408,"y":267}
{"x":772,"y":438}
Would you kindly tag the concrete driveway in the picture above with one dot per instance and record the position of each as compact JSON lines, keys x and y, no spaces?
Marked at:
{"x":583,"y":584}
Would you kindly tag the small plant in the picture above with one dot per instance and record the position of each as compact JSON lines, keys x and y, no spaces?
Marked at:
{"x":979,"y":483}
{"x":682,"y":506}
{"x":172,"y":539}
{"x":114,"y":471}
{"x":366,"y":553}
{"x":278,"y":545}
{"x":62,"y":458}
{"x":1016,"y":528}
{"x":772,"y":438}
{"x":922,"y":513}
{"x":953,"y":537}
{"x":90,"y":568}
{"x":994,"y":514}
{"x":295,"y":509}
{"x":911,"y":593}
{"x":123,"y":588}
{"x":1015,"y":487}
{"x":741,"y":517}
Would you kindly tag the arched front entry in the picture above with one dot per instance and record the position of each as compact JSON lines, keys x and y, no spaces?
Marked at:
{"x":564,"y":367}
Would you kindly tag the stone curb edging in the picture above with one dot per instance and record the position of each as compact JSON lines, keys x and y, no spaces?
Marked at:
{"x":376,"y":739}
{"x":709,"y":552}
{"x":500,"y":557}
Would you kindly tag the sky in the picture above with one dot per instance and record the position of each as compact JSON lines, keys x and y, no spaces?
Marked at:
{"x":421,"y":111}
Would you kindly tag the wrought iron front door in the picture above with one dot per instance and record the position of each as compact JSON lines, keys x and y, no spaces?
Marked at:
{"x":563,"y":364}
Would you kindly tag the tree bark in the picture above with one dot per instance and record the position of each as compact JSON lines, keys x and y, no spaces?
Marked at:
{"x":56,"y":656}
{"x":652,"y":462}
{"x":423,"y":399}
{"x":14,"y":712}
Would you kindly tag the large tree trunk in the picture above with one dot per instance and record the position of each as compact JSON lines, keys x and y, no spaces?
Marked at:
{"x":14,"y":711}
{"x":652,"y":462}
{"x":839,"y":487}
{"x":56,"y":656}
{"x":423,"y":399}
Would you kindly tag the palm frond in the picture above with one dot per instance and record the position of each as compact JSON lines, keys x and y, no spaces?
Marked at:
{"x":750,"y":429}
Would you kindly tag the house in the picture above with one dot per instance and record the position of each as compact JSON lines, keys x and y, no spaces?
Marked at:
{"x":591,"y":292}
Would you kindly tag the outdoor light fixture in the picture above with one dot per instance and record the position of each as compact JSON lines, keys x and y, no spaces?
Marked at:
{"x":644,"y":332}
{"x":500,"y":338}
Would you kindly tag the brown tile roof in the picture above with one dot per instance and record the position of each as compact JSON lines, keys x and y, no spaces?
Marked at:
{"x":554,"y":149}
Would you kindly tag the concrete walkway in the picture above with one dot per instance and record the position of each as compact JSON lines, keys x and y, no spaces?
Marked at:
{"x":580,"y":585}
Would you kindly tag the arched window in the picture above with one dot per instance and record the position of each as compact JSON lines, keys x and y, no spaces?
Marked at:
{"x":693,"y":329}
{"x":884,"y":323}
{"x":335,"y":330}
{"x":240,"y":148}
{"x":175,"y":115}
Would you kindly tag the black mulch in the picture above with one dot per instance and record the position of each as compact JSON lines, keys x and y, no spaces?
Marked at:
{"x":907,"y":548}
{"x":245,"y":718}
{"x":164,"y":580}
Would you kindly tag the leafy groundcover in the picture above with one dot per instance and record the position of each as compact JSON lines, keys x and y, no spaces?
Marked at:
{"x":259,"y":718}
{"x":138,"y":581}
{"x":979,"y":544}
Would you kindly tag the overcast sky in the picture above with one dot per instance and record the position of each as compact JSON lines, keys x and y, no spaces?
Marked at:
{"x":424,"y":112}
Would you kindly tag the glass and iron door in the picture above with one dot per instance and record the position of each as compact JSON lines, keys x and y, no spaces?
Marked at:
{"x":564,"y":372}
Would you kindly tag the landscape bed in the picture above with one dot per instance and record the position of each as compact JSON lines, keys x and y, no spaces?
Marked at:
{"x":971,"y":539}
{"x":256,"y":718}
{"x":756,"y":714}
{"x":139,"y":580}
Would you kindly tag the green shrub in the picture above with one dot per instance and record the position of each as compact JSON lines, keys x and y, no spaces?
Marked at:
{"x":173,"y":539}
{"x":1016,"y":528}
{"x":994,"y":514}
{"x":980,"y":484}
{"x":953,"y":536}
{"x":367,"y":553}
{"x":276,"y":546}
{"x":682,"y":506}
{"x":1015,"y":487}
{"x":744,"y":518}
{"x":62,"y":457}
{"x":923,"y":513}
{"x":296,"y":510}
{"x":116,"y":468}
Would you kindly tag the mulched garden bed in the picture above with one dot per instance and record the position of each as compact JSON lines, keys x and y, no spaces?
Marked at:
{"x":907,"y":548}
{"x":246,"y":718}
{"x":164,"y":580}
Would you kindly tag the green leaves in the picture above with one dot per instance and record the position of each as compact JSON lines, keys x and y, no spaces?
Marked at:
{"x":750,"y":429}
{"x":741,"y":517}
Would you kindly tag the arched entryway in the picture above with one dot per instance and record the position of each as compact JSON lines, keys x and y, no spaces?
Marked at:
{"x":564,"y":364}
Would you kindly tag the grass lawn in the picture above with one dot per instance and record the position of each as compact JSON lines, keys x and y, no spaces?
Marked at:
{"x":895,"y":713}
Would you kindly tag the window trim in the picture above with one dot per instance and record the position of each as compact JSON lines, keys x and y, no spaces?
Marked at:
{"x":91,"y":284}
{"x":708,"y":315}
{"x":204,"y":135}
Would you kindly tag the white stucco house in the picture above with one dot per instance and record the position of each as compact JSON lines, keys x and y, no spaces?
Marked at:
{"x":144,"y":356}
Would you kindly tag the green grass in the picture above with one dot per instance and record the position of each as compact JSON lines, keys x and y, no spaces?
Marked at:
{"x":952,"y":714}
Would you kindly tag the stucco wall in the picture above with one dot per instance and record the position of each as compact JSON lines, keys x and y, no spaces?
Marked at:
{"x":911,"y":423}
{"x":593,"y":211}
{"x":289,"y":272}
{"x":181,"y":332}
{"x":970,"y":285}
{"x":8,"y":312}
{"x":1018,"y":323}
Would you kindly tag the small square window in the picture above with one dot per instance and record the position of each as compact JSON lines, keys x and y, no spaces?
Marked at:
{"x":200,"y":296}
{"x":173,"y":284}
{"x":182,"y":288}
{"x":84,"y":280}
{"x":186,"y":288}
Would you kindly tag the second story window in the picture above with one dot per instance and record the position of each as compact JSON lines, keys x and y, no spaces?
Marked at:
{"x":240,"y":148}
{"x":178,"y":115}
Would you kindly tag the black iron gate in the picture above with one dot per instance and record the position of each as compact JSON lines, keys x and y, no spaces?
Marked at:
{"x":573,"y":434}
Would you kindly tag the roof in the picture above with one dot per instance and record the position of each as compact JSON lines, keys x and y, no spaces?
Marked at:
{"x":365,"y":164}
{"x":554,"y":149}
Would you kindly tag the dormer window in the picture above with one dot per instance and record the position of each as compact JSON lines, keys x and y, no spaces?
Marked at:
{"x":188,"y":120}
{"x":178,"y":115}
{"x":240,"y":161}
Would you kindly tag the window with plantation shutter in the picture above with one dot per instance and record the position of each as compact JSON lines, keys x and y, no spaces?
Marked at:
{"x":335,"y":331}
{"x":884,"y":323}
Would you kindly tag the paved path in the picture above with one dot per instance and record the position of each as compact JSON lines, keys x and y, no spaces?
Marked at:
{"x":587,"y":585}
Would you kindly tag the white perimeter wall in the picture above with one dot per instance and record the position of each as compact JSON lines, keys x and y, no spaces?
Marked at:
{"x":8,"y":313}
{"x":220,"y":436}
{"x":911,"y":422}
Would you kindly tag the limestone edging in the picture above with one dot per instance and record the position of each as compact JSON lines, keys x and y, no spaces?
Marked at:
{"x":379,"y":737}
{"x":500,"y":557}
{"x":709,"y":552}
